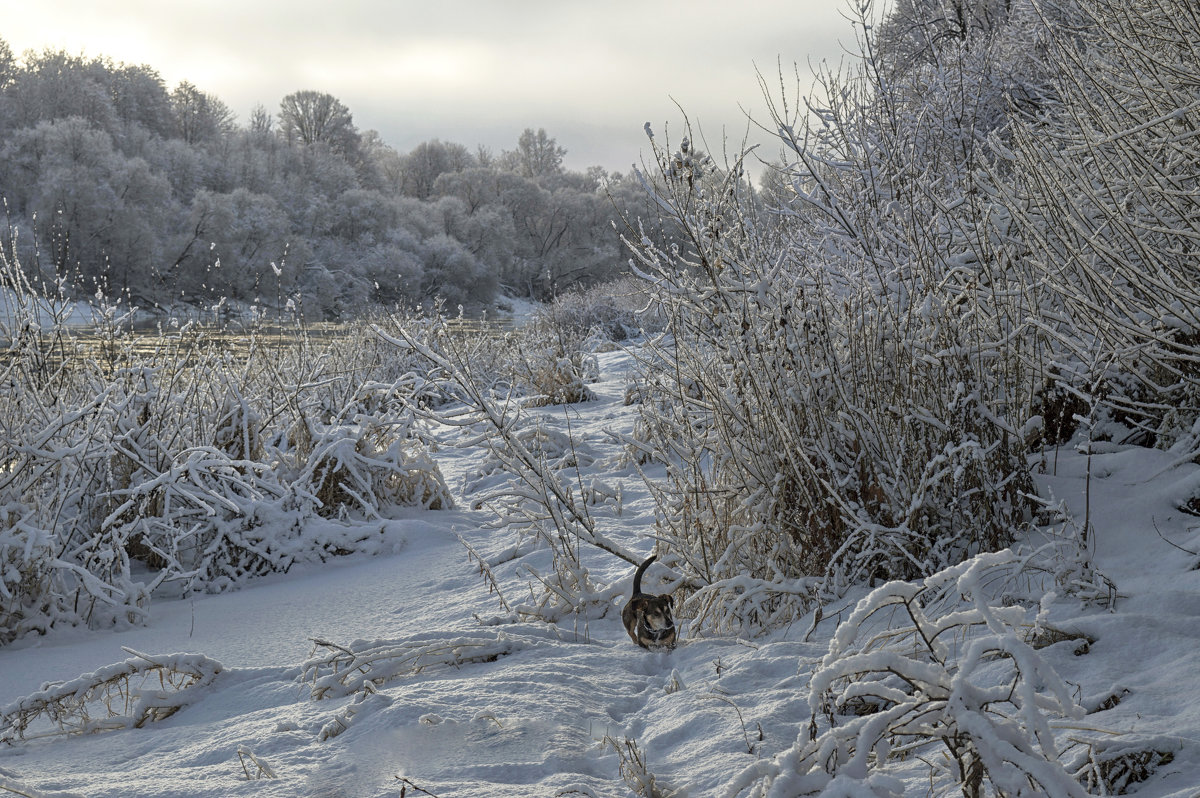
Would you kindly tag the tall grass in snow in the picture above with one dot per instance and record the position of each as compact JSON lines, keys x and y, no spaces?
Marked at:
{"x":192,"y":460}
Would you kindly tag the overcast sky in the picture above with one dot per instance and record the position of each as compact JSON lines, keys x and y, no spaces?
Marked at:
{"x":470,"y":71}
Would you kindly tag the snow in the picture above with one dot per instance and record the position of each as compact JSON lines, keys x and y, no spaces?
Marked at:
{"x":439,"y":695}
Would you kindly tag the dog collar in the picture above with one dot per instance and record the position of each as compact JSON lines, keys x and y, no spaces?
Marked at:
{"x":659,"y":634}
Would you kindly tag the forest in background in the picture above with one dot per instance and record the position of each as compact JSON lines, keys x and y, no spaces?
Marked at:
{"x":158,"y":196}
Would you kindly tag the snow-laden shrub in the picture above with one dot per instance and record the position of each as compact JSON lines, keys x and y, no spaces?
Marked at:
{"x":1116,"y":767}
{"x":551,"y":363}
{"x":849,"y":373}
{"x":191,"y":455}
{"x":27,"y":581}
{"x":848,"y":413}
{"x":936,"y":672}
{"x":362,"y":668}
{"x":1102,"y":194}
{"x":613,"y":311}
{"x":335,"y":671}
{"x":208,"y":519}
{"x":367,"y":466}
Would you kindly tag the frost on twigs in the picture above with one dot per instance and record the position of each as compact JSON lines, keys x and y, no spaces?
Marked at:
{"x":635,"y":771}
{"x":1116,"y":767}
{"x":126,"y":695}
{"x":530,"y":476}
{"x":374,"y":463}
{"x":361,"y":668}
{"x":932,"y":672}
{"x":253,"y":767}
{"x":335,"y":670}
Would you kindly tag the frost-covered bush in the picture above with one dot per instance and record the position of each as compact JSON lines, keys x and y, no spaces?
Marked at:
{"x":366,"y":466}
{"x":1103,"y":196}
{"x":612,"y":311}
{"x":845,"y":391}
{"x":550,"y":359}
{"x":933,"y":672}
{"x":190,"y":455}
{"x":27,"y":580}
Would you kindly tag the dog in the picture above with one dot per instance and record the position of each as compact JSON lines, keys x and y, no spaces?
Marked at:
{"x":648,"y":618}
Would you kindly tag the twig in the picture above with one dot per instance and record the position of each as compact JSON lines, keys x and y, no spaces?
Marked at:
{"x":408,"y":784}
{"x":745,"y":734}
{"x":1154,"y":521}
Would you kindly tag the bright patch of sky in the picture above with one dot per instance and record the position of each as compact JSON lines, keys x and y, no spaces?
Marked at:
{"x":469,"y":71}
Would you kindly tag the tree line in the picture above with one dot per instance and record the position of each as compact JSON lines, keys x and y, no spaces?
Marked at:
{"x":114,"y":182}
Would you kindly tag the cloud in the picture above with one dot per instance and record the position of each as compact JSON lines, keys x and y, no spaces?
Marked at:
{"x":474,"y":71}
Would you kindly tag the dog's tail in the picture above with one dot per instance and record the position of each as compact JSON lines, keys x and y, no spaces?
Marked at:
{"x":637,"y":577}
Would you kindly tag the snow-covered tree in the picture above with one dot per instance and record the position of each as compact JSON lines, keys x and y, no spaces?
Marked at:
{"x":312,"y":117}
{"x":199,"y":116}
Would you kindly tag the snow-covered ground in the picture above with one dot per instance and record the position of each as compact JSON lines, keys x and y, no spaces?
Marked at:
{"x":484,"y":709}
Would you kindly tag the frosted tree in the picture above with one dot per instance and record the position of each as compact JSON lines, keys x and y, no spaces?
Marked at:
{"x":103,"y":215}
{"x":312,"y":117}
{"x":261,"y":122}
{"x":199,"y":116}
{"x":453,"y":274}
{"x":55,"y":85}
{"x":428,"y":161}
{"x":918,"y":32}
{"x":8,"y":64}
{"x":241,"y":234}
{"x":537,"y":154}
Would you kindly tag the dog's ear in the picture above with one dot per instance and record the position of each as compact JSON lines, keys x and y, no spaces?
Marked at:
{"x":671,"y":600}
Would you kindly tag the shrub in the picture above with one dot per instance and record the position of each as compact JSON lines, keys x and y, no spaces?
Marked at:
{"x":838,"y":400}
{"x":205,"y":456}
{"x":953,"y":686}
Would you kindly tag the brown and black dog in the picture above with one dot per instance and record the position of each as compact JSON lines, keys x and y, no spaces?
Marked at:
{"x":648,"y":618}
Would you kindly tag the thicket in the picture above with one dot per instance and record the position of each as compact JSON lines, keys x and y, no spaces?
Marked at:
{"x":978,"y":242}
{"x":190,"y":460}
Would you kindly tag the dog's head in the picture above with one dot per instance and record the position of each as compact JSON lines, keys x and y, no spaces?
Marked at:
{"x":654,"y":613}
